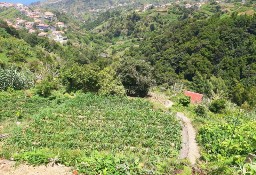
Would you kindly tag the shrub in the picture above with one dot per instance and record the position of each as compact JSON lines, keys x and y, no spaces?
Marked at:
{"x":13,"y":78}
{"x":77,"y":77}
{"x":201,"y":111}
{"x":184,"y":100}
{"x":217,"y":106}
{"x":46,"y":87}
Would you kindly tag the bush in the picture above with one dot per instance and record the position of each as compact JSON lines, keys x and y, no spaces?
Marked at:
{"x":80,"y":77}
{"x":184,"y":100}
{"x":201,"y":111}
{"x":217,"y":106}
{"x":16,"y":79}
{"x":46,"y":87}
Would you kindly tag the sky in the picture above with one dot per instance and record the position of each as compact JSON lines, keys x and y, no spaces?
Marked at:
{"x":20,"y":1}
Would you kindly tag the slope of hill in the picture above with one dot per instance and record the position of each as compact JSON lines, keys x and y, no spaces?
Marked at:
{"x":83,"y":9}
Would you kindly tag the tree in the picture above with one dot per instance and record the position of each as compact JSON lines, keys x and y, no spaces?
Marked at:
{"x":80,"y":77}
{"x":217,"y":106}
{"x":238,"y":94}
{"x":46,"y":87}
{"x":201,"y":85}
{"x":136,"y":77}
{"x":109,"y":83}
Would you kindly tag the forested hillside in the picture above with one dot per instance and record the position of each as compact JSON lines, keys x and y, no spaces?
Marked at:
{"x":212,"y":54}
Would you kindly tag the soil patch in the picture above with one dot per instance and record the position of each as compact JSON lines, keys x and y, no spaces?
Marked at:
{"x":8,"y":168}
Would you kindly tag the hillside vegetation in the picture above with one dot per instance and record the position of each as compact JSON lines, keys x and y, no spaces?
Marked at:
{"x":95,"y":134}
{"x":68,"y":103}
{"x":83,"y":8}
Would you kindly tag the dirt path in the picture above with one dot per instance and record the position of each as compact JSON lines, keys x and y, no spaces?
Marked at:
{"x":160,"y":99}
{"x":8,"y":168}
{"x":189,"y":148}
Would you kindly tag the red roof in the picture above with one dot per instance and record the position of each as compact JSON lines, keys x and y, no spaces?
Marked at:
{"x":194,"y":97}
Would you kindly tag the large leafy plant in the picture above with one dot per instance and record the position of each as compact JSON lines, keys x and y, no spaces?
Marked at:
{"x":16,"y":79}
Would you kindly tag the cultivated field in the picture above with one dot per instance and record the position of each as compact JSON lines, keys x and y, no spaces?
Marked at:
{"x":94,"y":134}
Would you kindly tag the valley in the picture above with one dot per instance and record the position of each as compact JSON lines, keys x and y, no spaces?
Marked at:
{"x":125,"y":87}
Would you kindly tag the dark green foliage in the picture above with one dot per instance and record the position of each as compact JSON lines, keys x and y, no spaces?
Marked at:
{"x":204,"y":52}
{"x":184,"y":100}
{"x":3,"y":33}
{"x":217,"y":106}
{"x":9,"y":30}
{"x":201,"y":84}
{"x":152,"y":27}
{"x":136,"y":77}
{"x":201,"y":111}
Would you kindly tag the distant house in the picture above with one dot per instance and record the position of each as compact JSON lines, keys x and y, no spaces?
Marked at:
{"x":42,"y":34}
{"x":58,"y":37}
{"x":48,"y":15}
{"x":29,"y":25}
{"x":5,"y":4}
{"x":148,"y":6}
{"x":33,"y":15}
{"x":42,"y":26}
{"x":188,"y":6}
{"x":19,"y":6}
{"x":60,"y":24}
{"x":9,"y":23}
{"x":31,"y":31}
{"x":38,"y":21}
{"x":194,"y":97}
{"x":20,"y":21}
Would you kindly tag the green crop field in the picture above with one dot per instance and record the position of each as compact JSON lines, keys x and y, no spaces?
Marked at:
{"x":227,"y":141}
{"x":95,"y":134}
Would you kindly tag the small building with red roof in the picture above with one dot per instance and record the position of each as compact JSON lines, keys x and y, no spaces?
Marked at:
{"x":195,"y":98}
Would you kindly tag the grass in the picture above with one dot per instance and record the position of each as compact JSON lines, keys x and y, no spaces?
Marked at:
{"x":93,"y":133}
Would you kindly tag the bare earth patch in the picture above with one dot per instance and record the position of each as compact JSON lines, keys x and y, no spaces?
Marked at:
{"x":8,"y":168}
{"x":160,"y":99}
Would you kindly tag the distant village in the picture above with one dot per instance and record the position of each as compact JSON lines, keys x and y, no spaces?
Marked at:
{"x":159,"y":7}
{"x":44,"y":24}
{"x":164,"y":7}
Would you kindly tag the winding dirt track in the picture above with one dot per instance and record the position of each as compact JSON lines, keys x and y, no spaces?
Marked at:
{"x":189,"y":148}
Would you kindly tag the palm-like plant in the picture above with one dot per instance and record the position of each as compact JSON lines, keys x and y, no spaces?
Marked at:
{"x":13,"y":78}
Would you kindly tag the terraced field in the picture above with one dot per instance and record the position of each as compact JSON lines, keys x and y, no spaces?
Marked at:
{"x":94,"y":134}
